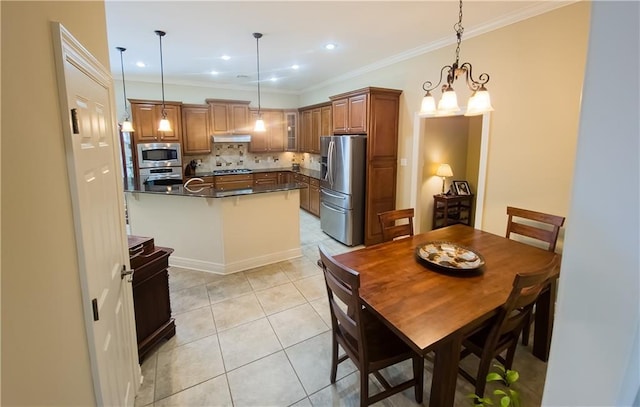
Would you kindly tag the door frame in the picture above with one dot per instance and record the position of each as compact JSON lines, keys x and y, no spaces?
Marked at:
{"x":420,"y":126}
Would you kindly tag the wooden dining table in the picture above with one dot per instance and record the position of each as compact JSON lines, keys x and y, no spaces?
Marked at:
{"x":432,"y":310}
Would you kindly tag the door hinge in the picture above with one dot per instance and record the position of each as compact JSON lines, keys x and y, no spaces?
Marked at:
{"x":94,"y":305}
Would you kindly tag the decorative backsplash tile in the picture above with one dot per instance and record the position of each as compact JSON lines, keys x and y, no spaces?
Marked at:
{"x":230,"y":156}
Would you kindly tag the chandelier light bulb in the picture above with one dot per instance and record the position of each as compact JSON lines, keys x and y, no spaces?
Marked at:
{"x":428,"y":104}
{"x":479,"y":103}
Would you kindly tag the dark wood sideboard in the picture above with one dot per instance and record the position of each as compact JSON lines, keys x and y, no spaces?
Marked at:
{"x":150,"y":293}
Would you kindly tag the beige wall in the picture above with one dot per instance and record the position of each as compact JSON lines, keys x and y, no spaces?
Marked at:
{"x":45,"y":358}
{"x":536,"y":68}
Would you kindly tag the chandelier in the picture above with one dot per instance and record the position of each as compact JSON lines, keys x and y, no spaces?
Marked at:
{"x":479,"y":102}
{"x":126,"y":123}
{"x":164,"y":124}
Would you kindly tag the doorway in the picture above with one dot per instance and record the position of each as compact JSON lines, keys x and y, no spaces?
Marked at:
{"x":460,"y":141}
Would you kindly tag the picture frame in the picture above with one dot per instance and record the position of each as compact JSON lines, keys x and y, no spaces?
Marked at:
{"x":461,"y":188}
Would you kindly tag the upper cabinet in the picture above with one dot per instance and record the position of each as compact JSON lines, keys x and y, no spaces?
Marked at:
{"x":196,"y":129}
{"x":146,"y":115}
{"x":291,"y":131}
{"x":350,"y":114}
{"x":374,"y":112}
{"x":316,"y":121}
{"x":229,"y":116}
{"x":273,"y":139}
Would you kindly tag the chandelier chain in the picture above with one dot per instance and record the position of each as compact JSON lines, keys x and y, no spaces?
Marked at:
{"x":459,"y":30}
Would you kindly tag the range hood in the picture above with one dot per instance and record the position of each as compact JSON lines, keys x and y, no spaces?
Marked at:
{"x":231,"y":138}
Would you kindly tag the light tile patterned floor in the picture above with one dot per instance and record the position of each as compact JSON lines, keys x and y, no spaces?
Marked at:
{"x":261,"y":338}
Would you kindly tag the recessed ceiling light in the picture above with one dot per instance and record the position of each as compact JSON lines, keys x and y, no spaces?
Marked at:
{"x":225,"y":57}
{"x":330,"y":46}
{"x":274,"y":79}
{"x":214,"y":72}
{"x":140,"y":64}
{"x":295,"y":66}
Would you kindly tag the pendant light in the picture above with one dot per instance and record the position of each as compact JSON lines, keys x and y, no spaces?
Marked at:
{"x":164,"y":122}
{"x":259,"y":122}
{"x":479,"y":102}
{"x":126,"y":126}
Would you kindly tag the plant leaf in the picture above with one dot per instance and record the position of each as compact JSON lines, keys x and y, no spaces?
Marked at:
{"x":499,"y":367}
{"x":499,"y":392}
{"x":493,"y":376}
{"x":505,"y":401}
{"x":512,"y":376}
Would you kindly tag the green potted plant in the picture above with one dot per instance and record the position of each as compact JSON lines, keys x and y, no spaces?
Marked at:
{"x":508,"y":396}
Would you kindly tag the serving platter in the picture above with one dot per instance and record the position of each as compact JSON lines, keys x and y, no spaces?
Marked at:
{"x":449,"y":256}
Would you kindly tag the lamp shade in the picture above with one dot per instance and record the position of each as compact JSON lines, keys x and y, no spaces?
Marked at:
{"x":164,"y":125}
{"x":479,"y":103}
{"x":259,"y":125}
{"x":449,"y":102}
{"x":127,"y":127}
{"x":428,"y":104}
{"x":444,"y":170}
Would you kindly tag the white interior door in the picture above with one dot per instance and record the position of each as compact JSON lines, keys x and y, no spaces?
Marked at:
{"x":91,"y":144}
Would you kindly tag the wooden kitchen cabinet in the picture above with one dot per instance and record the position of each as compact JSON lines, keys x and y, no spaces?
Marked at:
{"x":265,"y":178}
{"x":152,"y":306}
{"x":350,"y":115}
{"x":304,"y":192}
{"x":316,"y":121}
{"x":196,"y":129}
{"x":229,"y":116}
{"x":374,"y":112}
{"x":291,"y":130}
{"x":207,"y":182}
{"x":236,"y":181}
{"x":146,"y":115}
{"x":273,"y":139}
{"x":314,"y":196}
{"x":284,"y":177}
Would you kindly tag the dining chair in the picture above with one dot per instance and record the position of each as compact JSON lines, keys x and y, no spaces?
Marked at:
{"x":547,"y":232}
{"x":501,"y":333}
{"x":369,"y":344}
{"x":390,"y":230}
{"x":547,"y":229}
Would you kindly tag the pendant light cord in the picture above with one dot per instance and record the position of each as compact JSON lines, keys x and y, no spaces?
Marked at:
{"x":257,"y":37}
{"x":124,"y":88}
{"x":161,"y":34}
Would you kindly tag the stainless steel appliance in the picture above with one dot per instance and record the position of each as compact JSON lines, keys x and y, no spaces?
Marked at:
{"x":342,"y":188}
{"x":151,"y":155}
{"x":161,"y":176}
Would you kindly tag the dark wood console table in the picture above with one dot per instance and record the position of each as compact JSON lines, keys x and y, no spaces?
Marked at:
{"x":150,"y":293}
{"x":452,"y":209}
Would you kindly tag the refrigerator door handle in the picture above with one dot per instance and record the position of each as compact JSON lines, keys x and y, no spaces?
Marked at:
{"x":330,"y":161}
{"x":324,"y":191}
{"x":331,"y":209}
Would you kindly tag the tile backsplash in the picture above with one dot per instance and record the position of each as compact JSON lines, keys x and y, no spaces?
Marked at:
{"x":227,"y":156}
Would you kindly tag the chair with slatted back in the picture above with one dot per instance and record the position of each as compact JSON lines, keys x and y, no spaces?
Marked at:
{"x":369,"y":344}
{"x":501,"y":333}
{"x":547,"y":230}
{"x":391,"y":230}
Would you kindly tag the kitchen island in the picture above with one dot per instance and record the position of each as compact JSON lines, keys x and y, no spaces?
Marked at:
{"x":219,"y":231}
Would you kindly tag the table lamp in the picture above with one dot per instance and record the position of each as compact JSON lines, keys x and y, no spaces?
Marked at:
{"x":444,"y":171}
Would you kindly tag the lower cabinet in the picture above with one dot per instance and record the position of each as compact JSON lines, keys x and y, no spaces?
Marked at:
{"x":304,"y":192}
{"x":151,"y":301}
{"x":314,"y":196}
{"x":265,"y":178}
{"x":228,"y":182}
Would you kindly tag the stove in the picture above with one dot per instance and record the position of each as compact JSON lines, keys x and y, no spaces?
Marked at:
{"x":232,"y":172}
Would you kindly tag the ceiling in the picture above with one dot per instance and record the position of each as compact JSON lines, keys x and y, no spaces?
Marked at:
{"x":368,"y":35}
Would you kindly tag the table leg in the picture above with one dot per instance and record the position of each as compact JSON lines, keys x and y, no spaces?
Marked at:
{"x":545,"y":310}
{"x":445,"y":373}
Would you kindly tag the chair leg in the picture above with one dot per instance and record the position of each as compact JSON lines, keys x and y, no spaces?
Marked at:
{"x":418,"y":376}
{"x":334,"y":359}
{"x":481,"y":378}
{"x":364,"y":388}
{"x":511,"y":353}
{"x":526,"y":330}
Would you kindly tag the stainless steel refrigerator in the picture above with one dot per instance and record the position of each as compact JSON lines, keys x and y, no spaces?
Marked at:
{"x":342,"y":188}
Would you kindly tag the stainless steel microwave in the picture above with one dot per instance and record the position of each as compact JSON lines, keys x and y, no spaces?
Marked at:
{"x":159,"y":155}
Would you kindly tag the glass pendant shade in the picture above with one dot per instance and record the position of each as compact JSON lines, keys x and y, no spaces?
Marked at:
{"x":479,"y":103}
{"x":428,"y":104}
{"x":259,"y":125}
{"x":164,"y":125}
{"x":127,"y":127}
{"x":449,"y":102}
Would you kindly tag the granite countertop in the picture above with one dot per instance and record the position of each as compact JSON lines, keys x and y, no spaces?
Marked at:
{"x":208,"y":192}
{"x":304,"y":171}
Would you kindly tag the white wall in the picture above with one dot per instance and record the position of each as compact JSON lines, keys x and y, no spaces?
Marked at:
{"x":594,"y":357}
